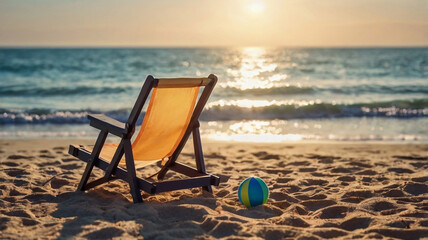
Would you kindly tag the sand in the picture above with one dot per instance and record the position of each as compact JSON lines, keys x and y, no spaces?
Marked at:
{"x":317,"y":190}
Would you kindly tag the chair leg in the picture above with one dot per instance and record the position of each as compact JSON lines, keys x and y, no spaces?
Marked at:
{"x":94,"y":155}
{"x":132,"y":178}
{"x":115,"y":160}
{"x":199,"y":157}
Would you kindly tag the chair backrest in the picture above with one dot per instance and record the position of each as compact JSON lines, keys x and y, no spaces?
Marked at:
{"x":167,"y":118}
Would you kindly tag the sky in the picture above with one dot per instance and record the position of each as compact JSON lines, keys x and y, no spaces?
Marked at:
{"x":214,"y":23}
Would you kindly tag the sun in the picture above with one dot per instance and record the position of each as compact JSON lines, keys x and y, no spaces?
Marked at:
{"x":256,"y":7}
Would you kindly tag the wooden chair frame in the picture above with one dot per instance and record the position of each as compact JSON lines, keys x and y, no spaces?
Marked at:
{"x":198,"y":177}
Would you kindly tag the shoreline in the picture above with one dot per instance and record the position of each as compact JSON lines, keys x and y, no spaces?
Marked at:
{"x":92,"y":139}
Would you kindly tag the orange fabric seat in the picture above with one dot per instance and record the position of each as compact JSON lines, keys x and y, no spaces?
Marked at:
{"x":166,"y":120}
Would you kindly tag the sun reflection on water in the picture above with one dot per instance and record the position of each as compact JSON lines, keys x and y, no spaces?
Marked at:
{"x":251,"y":103}
{"x":256,"y":71}
{"x":253,"y":131}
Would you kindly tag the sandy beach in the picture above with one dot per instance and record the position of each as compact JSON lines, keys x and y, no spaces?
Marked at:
{"x":317,"y":190}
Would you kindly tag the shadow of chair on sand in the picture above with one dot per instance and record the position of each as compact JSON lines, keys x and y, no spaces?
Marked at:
{"x":102,"y":214}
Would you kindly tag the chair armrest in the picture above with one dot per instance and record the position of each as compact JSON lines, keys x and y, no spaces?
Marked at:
{"x":108,"y":124}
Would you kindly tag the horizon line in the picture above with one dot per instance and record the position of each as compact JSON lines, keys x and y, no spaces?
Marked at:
{"x":207,"y":46}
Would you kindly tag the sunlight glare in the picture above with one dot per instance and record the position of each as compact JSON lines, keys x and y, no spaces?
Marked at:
{"x":256,"y":7}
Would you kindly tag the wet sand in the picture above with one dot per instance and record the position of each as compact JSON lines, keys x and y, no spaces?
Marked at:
{"x":317,"y":190}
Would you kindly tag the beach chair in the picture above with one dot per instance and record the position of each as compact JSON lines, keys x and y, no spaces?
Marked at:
{"x":172,"y":115}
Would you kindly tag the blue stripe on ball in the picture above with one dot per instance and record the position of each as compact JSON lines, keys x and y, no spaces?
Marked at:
{"x":255,"y":193}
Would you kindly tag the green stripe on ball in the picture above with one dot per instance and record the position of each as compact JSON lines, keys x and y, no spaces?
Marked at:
{"x":253,"y":192}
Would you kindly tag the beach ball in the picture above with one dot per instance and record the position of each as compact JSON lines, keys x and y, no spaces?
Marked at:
{"x":253,"y":192}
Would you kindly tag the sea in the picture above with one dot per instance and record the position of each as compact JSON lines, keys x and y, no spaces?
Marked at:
{"x":263,"y":94}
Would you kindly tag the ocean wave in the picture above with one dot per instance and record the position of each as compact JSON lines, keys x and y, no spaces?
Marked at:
{"x":393,"y":109}
{"x":44,"y":116}
{"x":31,"y":91}
{"x":357,"y":89}
{"x":59,"y":91}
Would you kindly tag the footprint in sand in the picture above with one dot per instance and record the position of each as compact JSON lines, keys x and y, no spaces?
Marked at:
{"x":416,"y":188}
{"x":322,"y":159}
{"x":10,"y":164}
{"x":417,"y":158}
{"x":318,"y":196}
{"x":367,"y":172}
{"x":281,"y":204}
{"x":265,"y":155}
{"x":415,"y":214}
{"x":400,"y":233}
{"x":400,"y":224}
{"x":333,"y":212}
{"x":312,"y":182}
{"x":215,"y":155}
{"x":307,"y":169}
{"x":291,"y":221}
{"x":15,"y":172}
{"x":400,"y":170}
{"x":29,"y":222}
{"x":292,"y":188}
{"x":20,"y":182}
{"x":298,"y":209}
{"x":3,"y":222}
{"x":299,"y":163}
{"x":46,"y":156}
{"x":367,"y":180}
{"x":360,"y":194}
{"x":420,"y":164}
{"x":420,"y":179}
{"x":68,"y":159}
{"x":356,"y":223}
{"x":394,"y":193}
{"x":105,"y":233}
{"x":71,"y":166}
{"x":330,"y":233}
{"x":58,"y":183}
{"x":222,"y":193}
{"x":284,"y":180}
{"x":17,"y":157}
{"x":424,"y":223}
{"x":38,"y":189}
{"x":20,"y":213}
{"x":341,"y":170}
{"x":392,"y":211}
{"x":48,"y":163}
{"x":377,"y":205}
{"x":14,"y":193}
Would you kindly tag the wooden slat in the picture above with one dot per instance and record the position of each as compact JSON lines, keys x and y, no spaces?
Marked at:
{"x":92,"y":160}
{"x":182,"y":82}
{"x":132,"y":177}
{"x":185,"y":170}
{"x":118,"y":172}
{"x":102,"y":122}
{"x":139,"y":103}
{"x":172,"y":185}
